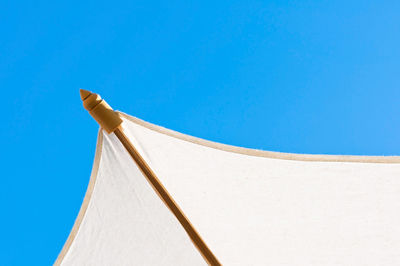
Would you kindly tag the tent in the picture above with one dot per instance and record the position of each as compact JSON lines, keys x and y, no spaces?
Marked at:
{"x":159,"y":197}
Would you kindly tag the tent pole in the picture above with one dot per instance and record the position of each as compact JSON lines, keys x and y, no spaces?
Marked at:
{"x":110,"y":121}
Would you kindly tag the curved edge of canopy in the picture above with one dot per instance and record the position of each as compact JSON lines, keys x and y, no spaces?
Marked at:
{"x":86,"y":200}
{"x":262,"y":153}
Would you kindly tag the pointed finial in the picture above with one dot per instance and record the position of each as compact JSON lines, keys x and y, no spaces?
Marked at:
{"x":84,"y":94}
{"x":107,"y":118}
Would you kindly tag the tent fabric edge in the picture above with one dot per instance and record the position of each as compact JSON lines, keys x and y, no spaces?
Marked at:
{"x":262,"y":153}
{"x":85,"y":202}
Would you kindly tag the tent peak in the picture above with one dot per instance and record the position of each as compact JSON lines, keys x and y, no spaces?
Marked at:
{"x":107,"y":118}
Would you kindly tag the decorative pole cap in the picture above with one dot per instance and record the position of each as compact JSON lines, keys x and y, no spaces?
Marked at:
{"x":107,"y":118}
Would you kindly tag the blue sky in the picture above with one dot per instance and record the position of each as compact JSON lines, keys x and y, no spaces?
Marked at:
{"x":291,"y":76}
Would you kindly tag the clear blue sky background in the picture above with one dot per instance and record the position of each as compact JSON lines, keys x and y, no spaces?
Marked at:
{"x":291,"y":76}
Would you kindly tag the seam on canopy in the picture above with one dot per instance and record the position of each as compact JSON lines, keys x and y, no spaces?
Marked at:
{"x":261,"y":153}
{"x":86,"y":200}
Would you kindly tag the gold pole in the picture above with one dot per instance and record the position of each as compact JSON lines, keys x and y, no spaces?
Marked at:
{"x":109,"y":120}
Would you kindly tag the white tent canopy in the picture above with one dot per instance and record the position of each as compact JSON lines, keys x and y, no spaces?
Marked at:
{"x":251,"y":207}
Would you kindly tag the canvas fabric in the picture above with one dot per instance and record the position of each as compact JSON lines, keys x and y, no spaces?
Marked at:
{"x":250,"y":207}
